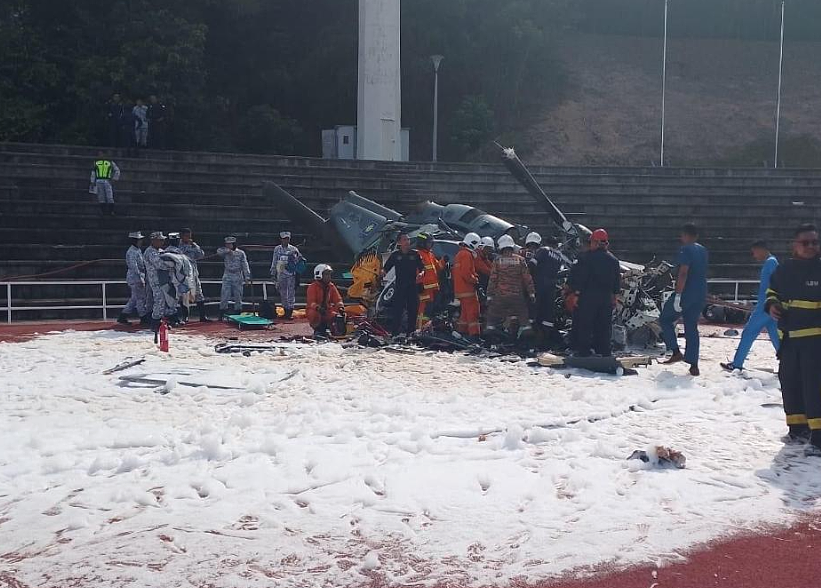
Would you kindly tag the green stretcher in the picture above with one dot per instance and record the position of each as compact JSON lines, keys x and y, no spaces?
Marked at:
{"x":249,"y":321}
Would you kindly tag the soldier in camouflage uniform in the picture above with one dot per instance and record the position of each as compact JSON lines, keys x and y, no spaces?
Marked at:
{"x":195,"y":253}
{"x":154,"y":265}
{"x":135,"y":278}
{"x":235,"y":275}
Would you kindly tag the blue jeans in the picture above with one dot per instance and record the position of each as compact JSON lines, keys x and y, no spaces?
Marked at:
{"x":758,"y":320}
{"x":689,"y":315}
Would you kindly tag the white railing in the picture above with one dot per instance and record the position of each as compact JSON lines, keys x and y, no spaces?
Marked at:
{"x":104,"y":306}
{"x":734,"y":282}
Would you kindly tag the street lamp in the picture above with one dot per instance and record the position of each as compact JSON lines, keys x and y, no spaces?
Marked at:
{"x":436,"y":60}
{"x":663,"y":84}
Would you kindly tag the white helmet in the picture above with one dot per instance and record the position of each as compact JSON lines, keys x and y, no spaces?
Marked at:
{"x":506,"y":242}
{"x":472,"y":240}
{"x":488,"y":242}
{"x":321,"y":269}
{"x":533,"y":238}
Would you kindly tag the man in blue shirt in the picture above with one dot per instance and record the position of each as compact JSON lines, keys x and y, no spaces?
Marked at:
{"x":688,"y":301}
{"x":759,"y":319}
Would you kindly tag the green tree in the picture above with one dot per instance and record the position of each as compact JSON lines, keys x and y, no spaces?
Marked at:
{"x":472,"y":125}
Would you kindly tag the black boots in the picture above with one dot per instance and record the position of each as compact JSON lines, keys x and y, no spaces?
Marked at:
{"x":145,"y":320}
{"x":798,"y":434}
{"x":221,"y":315}
{"x":107,"y":208}
{"x":123,"y":320}
{"x":289,"y":312}
{"x":201,"y":309}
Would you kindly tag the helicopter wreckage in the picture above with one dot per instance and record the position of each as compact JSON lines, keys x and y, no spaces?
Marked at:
{"x":369,"y":231}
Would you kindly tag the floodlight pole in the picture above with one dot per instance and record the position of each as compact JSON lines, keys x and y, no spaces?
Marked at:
{"x":664,"y":84}
{"x":780,"y":77}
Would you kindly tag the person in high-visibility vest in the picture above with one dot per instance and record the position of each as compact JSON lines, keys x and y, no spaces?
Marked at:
{"x":465,"y":281}
{"x":102,"y":174}
{"x":428,"y":279}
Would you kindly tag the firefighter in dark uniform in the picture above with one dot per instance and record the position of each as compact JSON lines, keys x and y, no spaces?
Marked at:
{"x":596,"y":280}
{"x":407,"y":264}
{"x":794,"y":300}
{"x":545,"y":265}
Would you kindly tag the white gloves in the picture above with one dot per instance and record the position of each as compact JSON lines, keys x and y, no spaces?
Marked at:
{"x":677,"y":303}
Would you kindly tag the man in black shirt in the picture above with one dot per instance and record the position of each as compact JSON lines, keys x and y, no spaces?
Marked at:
{"x":407,"y":265}
{"x":596,"y":279}
{"x":794,"y":300}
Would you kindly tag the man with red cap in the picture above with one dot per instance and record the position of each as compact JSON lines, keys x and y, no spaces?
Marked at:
{"x":596,"y":280}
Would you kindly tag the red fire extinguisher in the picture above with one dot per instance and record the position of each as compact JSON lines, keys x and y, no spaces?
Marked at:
{"x":163,"y":336}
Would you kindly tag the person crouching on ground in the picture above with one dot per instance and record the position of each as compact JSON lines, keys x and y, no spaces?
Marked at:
{"x":324,"y":301}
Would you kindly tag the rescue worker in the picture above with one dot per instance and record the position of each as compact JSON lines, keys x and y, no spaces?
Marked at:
{"x":596,"y":280}
{"x":406,"y":264}
{"x":688,"y":301}
{"x":465,"y":282}
{"x":135,"y":278}
{"x":509,"y":290}
{"x":104,"y":172}
{"x":545,"y":265}
{"x":759,"y":319}
{"x":194,"y":252}
{"x":794,"y":300}
{"x":532,"y":243}
{"x":154,"y":265}
{"x":324,"y":301}
{"x":234,"y":276}
{"x":484,"y":260}
{"x":284,"y":272}
{"x":428,"y":279}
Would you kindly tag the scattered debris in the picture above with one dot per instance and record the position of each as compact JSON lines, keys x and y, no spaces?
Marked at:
{"x":124,"y":365}
{"x":662,"y":456}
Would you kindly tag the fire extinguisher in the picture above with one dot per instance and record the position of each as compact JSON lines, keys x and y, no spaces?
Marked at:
{"x":163,"y":336}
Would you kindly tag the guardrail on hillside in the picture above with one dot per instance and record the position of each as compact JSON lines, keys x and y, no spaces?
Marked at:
{"x":104,"y":306}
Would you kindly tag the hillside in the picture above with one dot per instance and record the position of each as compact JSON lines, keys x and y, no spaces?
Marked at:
{"x":721,"y":98}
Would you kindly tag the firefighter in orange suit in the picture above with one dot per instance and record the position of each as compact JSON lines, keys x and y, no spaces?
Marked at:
{"x":465,"y":280}
{"x":324,"y":300}
{"x":428,"y":278}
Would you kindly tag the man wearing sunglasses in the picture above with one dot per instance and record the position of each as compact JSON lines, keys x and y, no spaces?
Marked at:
{"x":688,"y":301}
{"x":794,"y":300}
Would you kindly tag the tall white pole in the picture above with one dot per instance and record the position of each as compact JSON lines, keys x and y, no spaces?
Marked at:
{"x":664,"y":83}
{"x":780,"y":77}
{"x":436,"y":60}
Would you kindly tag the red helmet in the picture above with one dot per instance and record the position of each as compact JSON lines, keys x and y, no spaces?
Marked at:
{"x":599,"y":235}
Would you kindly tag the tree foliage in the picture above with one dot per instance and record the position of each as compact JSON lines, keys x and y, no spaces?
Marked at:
{"x":269,"y":75}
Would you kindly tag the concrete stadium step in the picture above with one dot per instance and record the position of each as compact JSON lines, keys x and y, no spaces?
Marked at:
{"x":416,"y":167}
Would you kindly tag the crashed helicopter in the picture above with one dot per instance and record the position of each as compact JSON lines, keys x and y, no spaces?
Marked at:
{"x":369,"y":231}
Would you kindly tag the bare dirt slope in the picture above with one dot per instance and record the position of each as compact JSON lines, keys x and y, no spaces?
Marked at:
{"x":721,"y":96}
